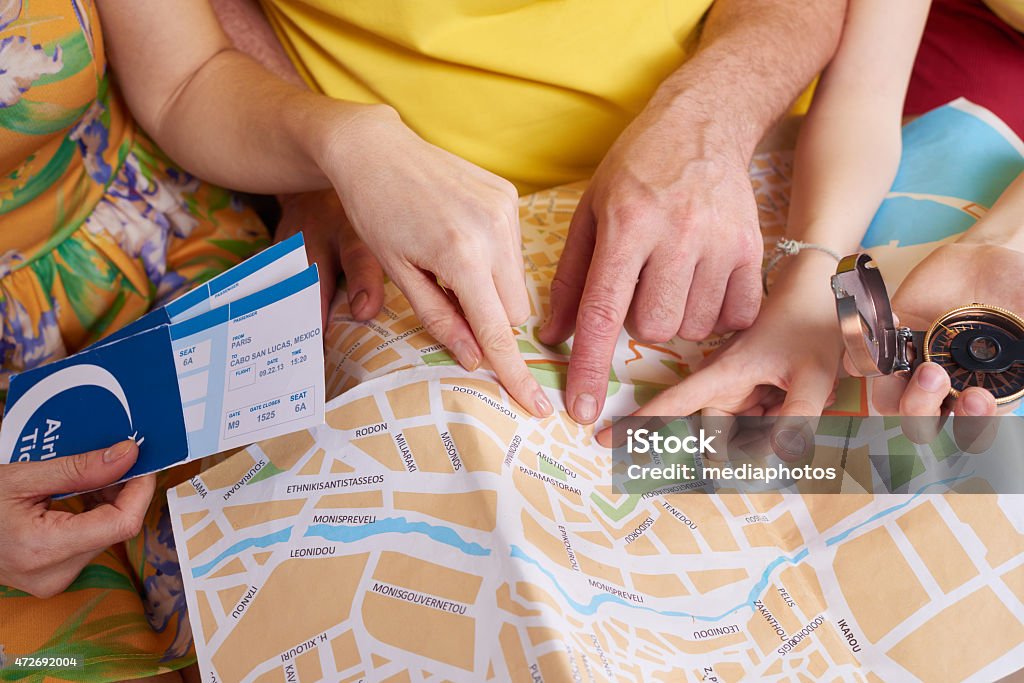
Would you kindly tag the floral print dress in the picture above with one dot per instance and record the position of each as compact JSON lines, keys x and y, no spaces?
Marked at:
{"x":97,"y":226}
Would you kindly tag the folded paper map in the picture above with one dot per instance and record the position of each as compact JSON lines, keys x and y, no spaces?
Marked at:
{"x":237,"y":360}
{"x":432,"y":530}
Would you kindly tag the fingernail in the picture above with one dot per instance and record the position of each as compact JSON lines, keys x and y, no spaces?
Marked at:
{"x":542,"y":332}
{"x":791,"y":441}
{"x":975,"y":404}
{"x":466,"y":355}
{"x":542,"y":403}
{"x":585,"y":408}
{"x":358,"y":302}
{"x":931,"y":378}
{"x":117,"y":451}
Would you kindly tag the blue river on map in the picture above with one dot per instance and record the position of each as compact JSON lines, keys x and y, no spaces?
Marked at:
{"x":351,"y":534}
{"x":449,"y":537}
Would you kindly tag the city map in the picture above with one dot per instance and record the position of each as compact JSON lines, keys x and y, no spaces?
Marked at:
{"x":432,"y":530}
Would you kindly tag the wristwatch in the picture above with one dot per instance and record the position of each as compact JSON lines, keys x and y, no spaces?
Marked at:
{"x":977,"y":345}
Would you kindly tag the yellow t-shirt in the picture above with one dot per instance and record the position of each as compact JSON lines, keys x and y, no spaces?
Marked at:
{"x":532,"y":90}
{"x":1010,"y":11}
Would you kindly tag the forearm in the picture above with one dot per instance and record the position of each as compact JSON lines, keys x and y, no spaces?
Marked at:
{"x":752,"y":61}
{"x":1003,"y":225}
{"x":245,"y":24}
{"x":846,"y":159}
{"x":218,"y":113}
{"x":849,"y":146}
{"x":235,"y":124}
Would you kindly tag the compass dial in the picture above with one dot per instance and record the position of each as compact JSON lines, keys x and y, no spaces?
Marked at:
{"x":979,"y":321}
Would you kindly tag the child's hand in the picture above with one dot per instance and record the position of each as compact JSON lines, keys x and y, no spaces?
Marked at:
{"x":785,"y":364}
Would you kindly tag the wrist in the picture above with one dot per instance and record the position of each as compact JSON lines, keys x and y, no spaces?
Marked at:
{"x":727,"y":116}
{"x":1005,"y":232}
{"x":340,"y":133}
{"x":806,"y":276}
{"x":1003,"y":225}
{"x":689,"y":117}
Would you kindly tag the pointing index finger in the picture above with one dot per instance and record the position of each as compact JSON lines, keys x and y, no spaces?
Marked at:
{"x":688,"y":397}
{"x":487,"y":318}
{"x":603,"y":307}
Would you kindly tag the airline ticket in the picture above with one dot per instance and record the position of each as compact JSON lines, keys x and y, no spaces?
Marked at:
{"x":236,"y":360}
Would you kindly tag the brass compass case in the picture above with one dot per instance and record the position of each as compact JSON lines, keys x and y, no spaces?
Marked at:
{"x":977,"y":345}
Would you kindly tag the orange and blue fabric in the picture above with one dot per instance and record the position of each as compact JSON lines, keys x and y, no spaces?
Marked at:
{"x":97,"y":226}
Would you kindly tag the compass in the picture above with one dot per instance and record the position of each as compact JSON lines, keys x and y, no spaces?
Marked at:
{"x":977,"y":345}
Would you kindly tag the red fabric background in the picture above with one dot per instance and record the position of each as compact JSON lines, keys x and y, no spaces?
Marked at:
{"x":968,"y":51}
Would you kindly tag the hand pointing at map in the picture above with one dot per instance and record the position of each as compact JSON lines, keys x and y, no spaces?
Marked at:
{"x":434,"y":218}
{"x":45,"y":549}
{"x":664,"y":257}
{"x":666,"y":239}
